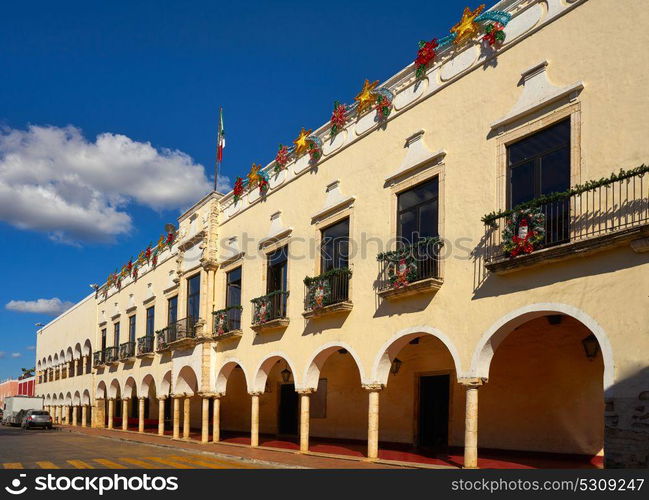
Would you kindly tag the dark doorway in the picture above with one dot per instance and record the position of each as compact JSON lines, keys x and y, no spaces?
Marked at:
{"x":288,"y":410}
{"x":433,"y":411}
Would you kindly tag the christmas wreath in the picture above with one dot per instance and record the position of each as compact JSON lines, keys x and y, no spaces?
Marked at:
{"x":319,"y":294}
{"x":524,"y":232}
{"x":262,"y":311}
{"x":314,"y":148}
{"x":383,"y":103}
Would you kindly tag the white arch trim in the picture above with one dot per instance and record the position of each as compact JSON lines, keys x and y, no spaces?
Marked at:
{"x":266,"y":365}
{"x":383,"y":360}
{"x":316,"y":362}
{"x":492,"y":338}
{"x":223,"y":372}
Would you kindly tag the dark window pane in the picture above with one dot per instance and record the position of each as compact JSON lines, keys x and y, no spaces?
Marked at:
{"x":522,"y":184}
{"x":193,"y":296}
{"x":233,"y":291}
{"x":335,"y":246}
{"x":428,"y":220}
{"x":555,"y":171}
{"x":172,"y":311}
{"x":150,"y":321}
{"x":131,"y":329}
{"x":116,"y":335}
{"x":549,"y":139}
{"x":277,"y":270}
{"x":418,"y":211}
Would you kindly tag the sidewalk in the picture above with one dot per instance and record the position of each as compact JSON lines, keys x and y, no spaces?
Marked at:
{"x":261,"y":455}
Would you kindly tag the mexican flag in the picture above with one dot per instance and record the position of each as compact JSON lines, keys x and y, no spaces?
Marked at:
{"x":221,"y":138}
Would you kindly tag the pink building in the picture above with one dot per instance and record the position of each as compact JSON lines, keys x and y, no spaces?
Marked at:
{"x":8,"y":388}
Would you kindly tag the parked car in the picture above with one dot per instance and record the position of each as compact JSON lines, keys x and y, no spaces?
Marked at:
{"x":36,"y":418}
{"x":13,"y":405}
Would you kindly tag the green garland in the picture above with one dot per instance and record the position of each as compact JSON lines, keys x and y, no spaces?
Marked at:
{"x":490,"y":219}
{"x":398,"y":254}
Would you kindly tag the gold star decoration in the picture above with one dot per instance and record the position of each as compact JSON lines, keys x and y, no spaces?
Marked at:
{"x":467,"y":28}
{"x":253,"y":175}
{"x":366,"y":97}
{"x":301,"y":143}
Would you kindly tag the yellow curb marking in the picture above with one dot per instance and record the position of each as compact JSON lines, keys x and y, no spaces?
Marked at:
{"x":109,"y":463}
{"x":13,"y":465}
{"x":170,"y":463}
{"x":47,"y":465}
{"x":141,"y":464}
{"x":80,"y":464}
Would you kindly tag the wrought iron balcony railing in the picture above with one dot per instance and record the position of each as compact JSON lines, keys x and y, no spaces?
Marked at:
{"x":110,"y":354}
{"x":608,"y":207}
{"x":98,"y":358}
{"x":182,"y":329}
{"x":127,"y":350}
{"x":227,"y":320}
{"x":145,"y":345}
{"x":327,"y":289}
{"x":409,"y":264}
{"x":269,"y":307}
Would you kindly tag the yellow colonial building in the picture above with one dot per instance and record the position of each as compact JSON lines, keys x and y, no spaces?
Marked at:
{"x":454,"y":262}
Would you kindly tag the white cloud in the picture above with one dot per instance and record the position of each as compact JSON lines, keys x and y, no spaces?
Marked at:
{"x":53,"y":306}
{"x":31,"y":348}
{"x":54,"y":180}
{"x":15,"y":355}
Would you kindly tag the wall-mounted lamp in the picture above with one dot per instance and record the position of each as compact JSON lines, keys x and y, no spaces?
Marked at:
{"x":591,"y":346}
{"x":396,"y":366}
{"x":286,"y":374}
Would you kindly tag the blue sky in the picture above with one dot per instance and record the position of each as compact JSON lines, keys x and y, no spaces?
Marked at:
{"x":140,"y":72}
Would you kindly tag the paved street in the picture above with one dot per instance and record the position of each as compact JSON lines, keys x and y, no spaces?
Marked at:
{"x":55,"y":449}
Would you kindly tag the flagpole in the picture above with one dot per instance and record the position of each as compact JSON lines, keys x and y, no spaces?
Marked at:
{"x":217,"y":164}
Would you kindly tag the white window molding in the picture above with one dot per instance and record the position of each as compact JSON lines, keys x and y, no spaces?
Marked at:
{"x":417,"y":155}
{"x":538,"y":92}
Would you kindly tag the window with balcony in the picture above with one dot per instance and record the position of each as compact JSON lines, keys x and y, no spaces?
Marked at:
{"x":539,"y":165}
{"x":116,"y":335}
{"x":331,"y":287}
{"x":193,"y":297}
{"x":413,"y":266}
{"x":103,"y":339}
{"x":227,"y":321}
{"x":271,"y":308}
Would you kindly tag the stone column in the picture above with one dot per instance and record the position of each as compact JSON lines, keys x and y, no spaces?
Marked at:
{"x":161,"y":415}
{"x":305,"y":400}
{"x":99,"y":410}
{"x":111,"y":412}
{"x":125,"y":402}
{"x":186,"y":416}
{"x":84,"y":415}
{"x":373,"y":419}
{"x":254,"y":419}
{"x":74,"y":415}
{"x":176,"y":434}
{"x":216,"y":418}
{"x":140,"y":415}
{"x":471,"y":422}
{"x":205,"y":418}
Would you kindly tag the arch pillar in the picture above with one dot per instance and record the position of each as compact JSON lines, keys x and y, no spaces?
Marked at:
{"x":140,"y":414}
{"x":254,"y":418}
{"x":373,"y":419}
{"x":84,"y":415}
{"x":471,"y":421}
{"x":161,"y":415}
{"x":305,"y":401}
{"x":111,"y":412}
{"x":176,"y":415}
{"x":216,"y":417}
{"x":125,"y":406}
